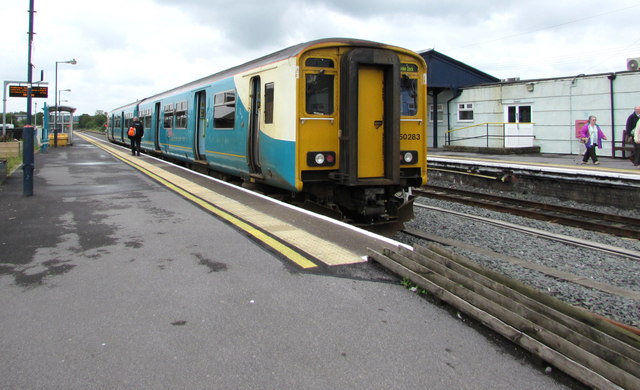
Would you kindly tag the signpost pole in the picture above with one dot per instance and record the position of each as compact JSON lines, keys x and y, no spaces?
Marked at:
{"x":27,"y":131}
{"x":4,"y":109}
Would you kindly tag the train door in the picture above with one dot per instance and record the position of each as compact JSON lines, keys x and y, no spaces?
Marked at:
{"x":201,"y":125}
{"x":156,"y":125}
{"x":121,"y":127}
{"x":370,"y":122}
{"x":370,"y":117}
{"x":253,"y":152}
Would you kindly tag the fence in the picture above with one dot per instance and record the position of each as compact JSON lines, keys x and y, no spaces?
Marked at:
{"x":495,"y":134}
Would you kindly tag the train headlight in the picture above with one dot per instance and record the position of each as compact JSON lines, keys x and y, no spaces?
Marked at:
{"x":408,"y":157}
{"x":321,"y":159}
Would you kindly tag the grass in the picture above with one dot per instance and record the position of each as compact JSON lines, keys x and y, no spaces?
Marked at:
{"x":409,"y":285}
{"x":13,"y":163}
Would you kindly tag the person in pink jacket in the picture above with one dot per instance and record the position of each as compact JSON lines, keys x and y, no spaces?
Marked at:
{"x":592,"y":137}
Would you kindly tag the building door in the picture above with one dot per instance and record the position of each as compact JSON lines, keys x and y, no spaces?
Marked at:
{"x":518,"y":129}
{"x":370,"y":122}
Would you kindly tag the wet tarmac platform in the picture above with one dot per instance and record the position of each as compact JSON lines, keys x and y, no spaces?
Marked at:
{"x":121,"y":272}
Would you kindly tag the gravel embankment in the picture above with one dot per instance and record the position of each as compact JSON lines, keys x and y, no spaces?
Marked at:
{"x":604,"y":268}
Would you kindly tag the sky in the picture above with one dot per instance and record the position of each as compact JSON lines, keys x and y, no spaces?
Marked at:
{"x":131,"y":49}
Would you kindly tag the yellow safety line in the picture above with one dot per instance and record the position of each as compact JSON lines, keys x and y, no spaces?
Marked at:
{"x":258,"y":234}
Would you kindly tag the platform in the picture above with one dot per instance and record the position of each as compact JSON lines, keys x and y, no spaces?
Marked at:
{"x":112,"y":277}
{"x":573,"y":162}
{"x":614,"y":182}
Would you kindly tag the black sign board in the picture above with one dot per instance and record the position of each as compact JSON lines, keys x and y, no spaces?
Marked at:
{"x":408,"y":68}
{"x":21,"y":91}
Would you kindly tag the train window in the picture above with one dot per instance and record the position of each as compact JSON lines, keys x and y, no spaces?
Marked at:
{"x":168,"y":120}
{"x":224,"y":110}
{"x":118,"y":119}
{"x":319,"y":62}
{"x":268,"y":102}
{"x":408,"y":96}
{"x":145,"y":118}
{"x":146,"y":122}
{"x":181,"y":120}
{"x":319,"y":94}
{"x":181,"y":115}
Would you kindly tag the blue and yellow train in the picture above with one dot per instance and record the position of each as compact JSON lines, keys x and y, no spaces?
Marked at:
{"x":339,"y":123}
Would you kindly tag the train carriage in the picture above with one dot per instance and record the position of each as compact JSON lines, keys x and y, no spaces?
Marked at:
{"x":339,"y":123}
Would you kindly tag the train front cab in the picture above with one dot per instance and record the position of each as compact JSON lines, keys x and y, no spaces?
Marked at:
{"x":379,"y":139}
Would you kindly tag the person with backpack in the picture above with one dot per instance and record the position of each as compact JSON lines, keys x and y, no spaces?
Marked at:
{"x":135,"y":133}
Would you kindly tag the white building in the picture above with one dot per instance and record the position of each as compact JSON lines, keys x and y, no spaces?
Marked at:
{"x":516,"y":113}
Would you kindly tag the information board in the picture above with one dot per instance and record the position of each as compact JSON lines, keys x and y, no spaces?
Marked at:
{"x":21,"y":91}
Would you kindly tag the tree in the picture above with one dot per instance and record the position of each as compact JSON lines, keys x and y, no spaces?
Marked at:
{"x":85,"y":121}
{"x":95,"y":122}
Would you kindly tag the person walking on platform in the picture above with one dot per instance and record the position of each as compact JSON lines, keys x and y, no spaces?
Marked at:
{"x":632,"y":129}
{"x":135,"y":133}
{"x":592,"y":136}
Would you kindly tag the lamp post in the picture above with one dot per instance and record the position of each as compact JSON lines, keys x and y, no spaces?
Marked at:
{"x":55,"y":120}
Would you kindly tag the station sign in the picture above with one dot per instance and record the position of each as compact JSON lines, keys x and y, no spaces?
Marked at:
{"x":21,"y":91}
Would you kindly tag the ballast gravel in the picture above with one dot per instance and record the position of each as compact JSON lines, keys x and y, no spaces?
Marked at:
{"x":609,"y":269}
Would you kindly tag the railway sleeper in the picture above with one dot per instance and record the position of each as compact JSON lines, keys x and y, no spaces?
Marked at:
{"x":582,"y":345}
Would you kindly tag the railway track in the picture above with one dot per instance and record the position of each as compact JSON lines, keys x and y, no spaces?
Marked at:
{"x":589,"y":244}
{"x":600,"y":352}
{"x":606,"y":223}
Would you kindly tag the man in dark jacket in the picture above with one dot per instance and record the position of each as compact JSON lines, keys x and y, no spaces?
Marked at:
{"x":137,"y":137}
{"x":632,"y":121}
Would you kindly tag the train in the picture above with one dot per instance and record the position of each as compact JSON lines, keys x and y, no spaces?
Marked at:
{"x":335,"y":124}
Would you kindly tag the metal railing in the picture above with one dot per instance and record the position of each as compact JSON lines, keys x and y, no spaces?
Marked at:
{"x":490,"y":133}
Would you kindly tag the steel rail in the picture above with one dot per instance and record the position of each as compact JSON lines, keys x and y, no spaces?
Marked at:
{"x":601,"y":222}
{"x":630,"y":254}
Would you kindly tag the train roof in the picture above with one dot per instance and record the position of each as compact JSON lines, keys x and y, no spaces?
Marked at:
{"x":288,"y":52}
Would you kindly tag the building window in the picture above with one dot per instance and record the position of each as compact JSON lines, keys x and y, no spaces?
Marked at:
{"x":268,"y":102}
{"x":440,"y":113}
{"x":519,"y":114}
{"x":465,"y":112}
{"x":224,"y":110}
